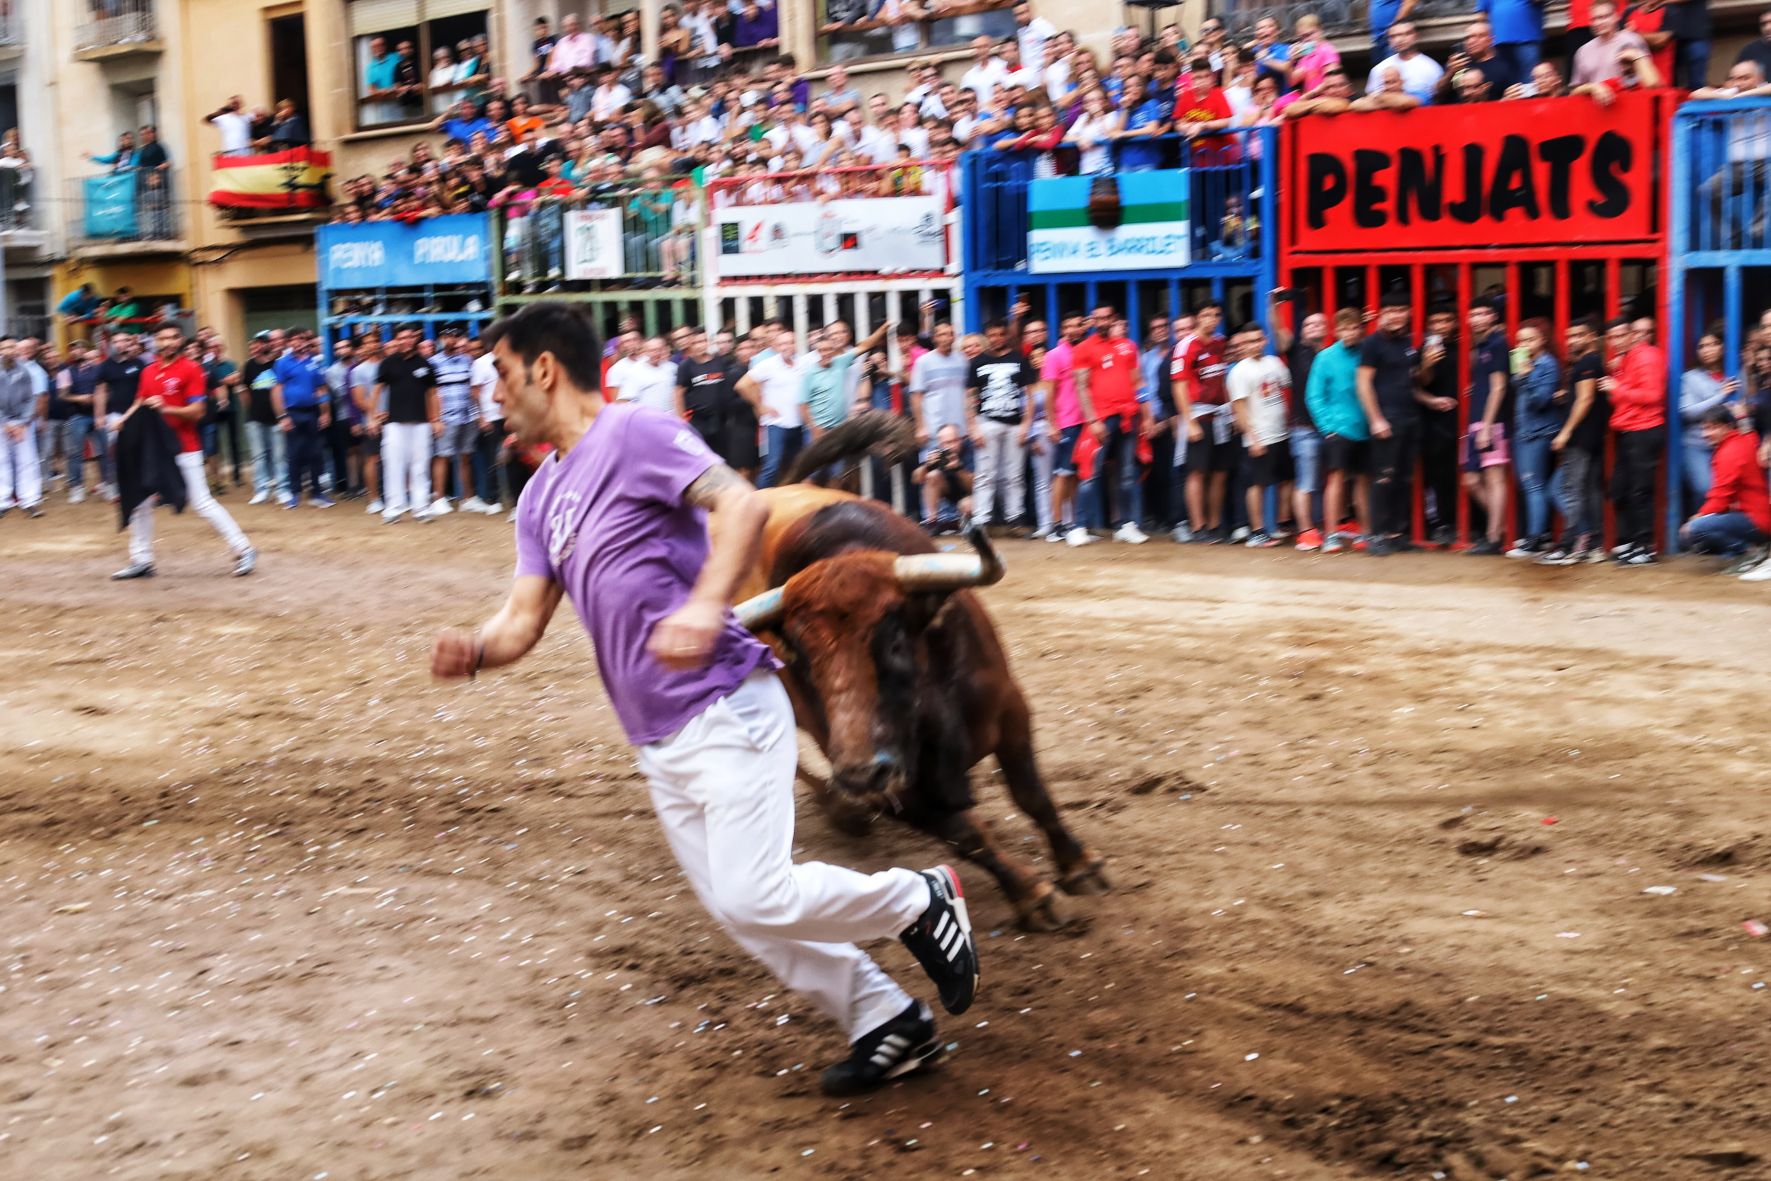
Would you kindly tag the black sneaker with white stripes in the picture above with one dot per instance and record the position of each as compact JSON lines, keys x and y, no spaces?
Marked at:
{"x":902,"y":1045}
{"x":941,"y":940}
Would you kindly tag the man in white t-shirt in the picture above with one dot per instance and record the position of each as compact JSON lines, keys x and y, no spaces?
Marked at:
{"x":1259,"y":386}
{"x":776,"y":388}
{"x":937,"y":388}
{"x":483,"y":381}
{"x":234,"y":122}
{"x":987,"y":70}
{"x":1420,"y":73}
{"x":649,"y":378}
{"x":1031,"y":34}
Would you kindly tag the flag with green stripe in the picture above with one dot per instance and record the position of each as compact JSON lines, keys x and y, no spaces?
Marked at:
{"x":1133,"y":221}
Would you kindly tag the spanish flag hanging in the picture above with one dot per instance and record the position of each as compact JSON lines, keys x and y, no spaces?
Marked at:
{"x":294,"y":179}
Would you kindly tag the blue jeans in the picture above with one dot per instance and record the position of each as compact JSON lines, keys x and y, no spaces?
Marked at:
{"x":1121,"y":446}
{"x":1521,"y":58}
{"x":1306,"y":458}
{"x":71,"y":434}
{"x":1580,"y":495}
{"x":306,"y":454}
{"x":1721,"y":533}
{"x":269,"y":473}
{"x":1533,"y":460}
{"x":1695,"y":454}
{"x":784,"y":443}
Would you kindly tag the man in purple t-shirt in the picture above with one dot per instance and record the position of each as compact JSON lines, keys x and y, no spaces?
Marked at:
{"x":616,"y":520}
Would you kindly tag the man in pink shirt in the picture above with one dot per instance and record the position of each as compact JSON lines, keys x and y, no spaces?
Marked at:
{"x":575,"y":50}
{"x":1065,"y":421}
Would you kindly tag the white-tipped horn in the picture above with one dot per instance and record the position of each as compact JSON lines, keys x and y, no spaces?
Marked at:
{"x":944,"y":572}
{"x":760,"y":613}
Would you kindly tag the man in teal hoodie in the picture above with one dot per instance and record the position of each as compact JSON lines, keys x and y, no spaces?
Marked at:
{"x":1332,"y":397}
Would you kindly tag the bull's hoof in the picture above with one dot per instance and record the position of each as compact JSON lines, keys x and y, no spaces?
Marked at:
{"x":1044,"y":912}
{"x":1090,"y":877}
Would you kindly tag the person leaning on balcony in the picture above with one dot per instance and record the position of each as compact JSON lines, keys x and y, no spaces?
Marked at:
{"x":1597,"y":60}
{"x":151,"y":155}
{"x":1333,"y":97}
{"x":1636,"y":72}
{"x":1389,"y":96}
{"x":121,"y":160}
{"x":289,"y":128}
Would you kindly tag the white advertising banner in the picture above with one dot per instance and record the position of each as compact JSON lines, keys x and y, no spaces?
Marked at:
{"x":883,"y":235}
{"x":593,"y":244}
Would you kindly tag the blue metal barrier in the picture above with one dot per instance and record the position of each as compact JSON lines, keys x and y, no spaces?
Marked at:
{"x":1231,"y":194}
{"x":1721,"y":247}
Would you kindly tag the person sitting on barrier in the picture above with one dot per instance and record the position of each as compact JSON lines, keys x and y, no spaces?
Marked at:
{"x":1389,"y":96}
{"x":1736,"y":513}
{"x":1333,"y":97}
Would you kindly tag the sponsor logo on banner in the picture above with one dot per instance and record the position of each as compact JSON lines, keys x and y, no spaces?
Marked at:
{"x":1134,"y":221}
{"x":593,"y":244}
{"x":886,"y":235}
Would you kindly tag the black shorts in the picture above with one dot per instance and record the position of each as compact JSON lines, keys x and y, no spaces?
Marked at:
{"x":1270,"y":468}
{"x":1207,"y":455}
{"x":1341,"y":454}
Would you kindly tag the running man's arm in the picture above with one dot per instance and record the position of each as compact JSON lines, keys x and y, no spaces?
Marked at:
{"x":503,"y":639}
{"x":685,"y":638}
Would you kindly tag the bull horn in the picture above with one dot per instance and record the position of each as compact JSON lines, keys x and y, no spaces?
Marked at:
{"x":761,"y":612}
{"x":951,"y":571}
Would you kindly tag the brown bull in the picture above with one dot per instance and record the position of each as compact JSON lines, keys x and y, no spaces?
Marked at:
{"x":896,"y":671}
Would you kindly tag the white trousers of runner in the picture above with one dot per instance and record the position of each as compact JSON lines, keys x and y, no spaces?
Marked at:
{"x":197,"y":497}
{"x":1045,"y":452}
{"x":723,"y":790}
{"x":21,"y":472}
{"x":405,"y":467}
{"x":1002,"y":461}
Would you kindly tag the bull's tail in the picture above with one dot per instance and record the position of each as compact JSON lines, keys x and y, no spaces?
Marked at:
{"x":872,"y":432}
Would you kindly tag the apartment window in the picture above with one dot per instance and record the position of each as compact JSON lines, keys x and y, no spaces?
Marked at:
{"x":413,"y":59}
{"x":883,"y":28}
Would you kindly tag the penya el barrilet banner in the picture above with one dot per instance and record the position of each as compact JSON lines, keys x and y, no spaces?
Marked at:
{"x":1532,"y":172}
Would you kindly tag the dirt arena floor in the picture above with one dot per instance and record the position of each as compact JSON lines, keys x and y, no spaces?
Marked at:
{"x":1430,"y":867}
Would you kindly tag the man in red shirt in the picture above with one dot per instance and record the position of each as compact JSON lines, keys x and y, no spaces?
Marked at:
{"x":1107,"y":375}
{"x":1212,"y":449}
{"x":175,"y":386}
{"x":1737,"y":513}
{"x":1638,"y":392}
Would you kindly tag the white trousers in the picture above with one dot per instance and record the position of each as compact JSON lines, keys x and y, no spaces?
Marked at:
{"x":1045,"y":454}
{"x":723,"y":790}
{"x":405,"y":467}
{"x":1002,"y":461}
{"x":21,"y":472}
{"x":197,"y":497}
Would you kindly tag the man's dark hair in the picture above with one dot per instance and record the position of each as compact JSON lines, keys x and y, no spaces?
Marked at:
{"x":1617,"y":322}
{"x":993,"y":325}
{"x":1398,"y":298}
{"x":552,"y":326}
{"x":1718,"y":416}
{"x":1165,"y":57}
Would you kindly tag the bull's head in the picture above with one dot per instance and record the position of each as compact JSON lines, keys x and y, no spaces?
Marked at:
{"x":855,"y":624}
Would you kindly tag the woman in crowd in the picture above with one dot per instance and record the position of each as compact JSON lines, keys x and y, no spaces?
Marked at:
{"x":1702,"y":388}
{"x":443,"y":78}
{"x":1093,"y":133}
{"x":1537,"y":419}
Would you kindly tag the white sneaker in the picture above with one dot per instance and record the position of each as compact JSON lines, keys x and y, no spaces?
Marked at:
{"x":473,"y":504}
{"x":376,"y":506}
{"x":1130,"y":534}
{"x":440,"y":507}
{"x":1039,"y":534}
{"x":389,"y":518}
{"x":1759,"y":573}
{"x":259,"y":498}
{"x":1058,"y":535}
{"x":1240,"y":535}
{"x":1080,"y":536}
{"x":76,"y":495}
{"x":492,"y":510}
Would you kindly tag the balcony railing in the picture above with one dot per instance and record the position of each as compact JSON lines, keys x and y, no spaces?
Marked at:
{"x":136,"y":206}
{"x":1340,"y":18}
{"x":1723,"y":155}
{"x":633,"y":236}
{"x":115,"y":24}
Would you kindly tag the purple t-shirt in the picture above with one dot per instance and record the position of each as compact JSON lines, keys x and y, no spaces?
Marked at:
{"x":610,"y":525}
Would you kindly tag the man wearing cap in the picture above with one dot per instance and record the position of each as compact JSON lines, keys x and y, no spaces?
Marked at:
{"x":461,"y":421}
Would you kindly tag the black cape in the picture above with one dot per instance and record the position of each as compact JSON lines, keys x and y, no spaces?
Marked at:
{"x":147,"y":464}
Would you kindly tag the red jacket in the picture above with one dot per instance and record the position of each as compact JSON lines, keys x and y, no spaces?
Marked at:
{"x":1737,"y":483}
{"x":1638,"y":399}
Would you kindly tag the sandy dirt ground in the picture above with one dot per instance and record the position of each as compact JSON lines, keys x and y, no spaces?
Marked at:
{"x":1429,"y":867}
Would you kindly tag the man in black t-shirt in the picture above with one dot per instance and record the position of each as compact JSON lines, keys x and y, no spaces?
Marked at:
{"x":119,"y":376}
{"x":1440,"y":428}
{"x":270,"y":473}
{"x":707,"y":390}
{"x":1580,"y":476}
{"x":999,"y":387}
{"x":406,"y":391}
{"x":1388,"y":362}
